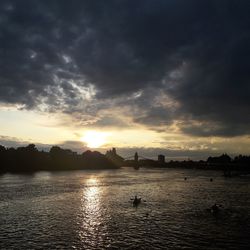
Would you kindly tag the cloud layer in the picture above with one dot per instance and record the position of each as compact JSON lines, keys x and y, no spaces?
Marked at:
{"x":159,"y":62}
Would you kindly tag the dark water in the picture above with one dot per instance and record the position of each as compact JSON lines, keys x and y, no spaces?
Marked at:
{"x":93,"y":210}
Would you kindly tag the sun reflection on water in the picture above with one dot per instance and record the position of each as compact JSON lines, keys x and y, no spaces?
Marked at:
{"x":92,"y":227}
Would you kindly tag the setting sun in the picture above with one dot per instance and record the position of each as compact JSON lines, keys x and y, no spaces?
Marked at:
{"x":95,"y":139}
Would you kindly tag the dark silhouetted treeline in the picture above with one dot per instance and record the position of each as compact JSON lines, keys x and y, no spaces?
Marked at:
{"x":223,"y":162}
{"x":29,"y":159}
{"x":223,"y":159}
{"x":231,"y":167}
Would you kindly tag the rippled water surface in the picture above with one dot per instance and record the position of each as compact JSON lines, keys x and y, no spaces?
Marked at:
{"x":93,"y":210}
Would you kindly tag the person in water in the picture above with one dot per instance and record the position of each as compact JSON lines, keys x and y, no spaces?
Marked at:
{"x":136,"y":201}
{"x":215,"y":208}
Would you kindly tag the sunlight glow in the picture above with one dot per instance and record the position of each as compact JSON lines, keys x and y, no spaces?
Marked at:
{"x":95,"y":139}
{"x":91,"y":219}
{"x":91,"y":194}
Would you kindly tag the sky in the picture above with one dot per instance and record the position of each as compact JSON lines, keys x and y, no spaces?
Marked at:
{"x":165,"y":76}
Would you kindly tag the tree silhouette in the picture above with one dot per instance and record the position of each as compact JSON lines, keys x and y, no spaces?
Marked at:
{"x":29,"y":159}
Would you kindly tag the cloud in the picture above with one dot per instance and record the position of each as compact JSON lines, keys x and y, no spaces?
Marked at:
{"x":8,"y":142}
{"x":164,"y":61}
{"x":14,"y":142}
{"x":76,"y":146}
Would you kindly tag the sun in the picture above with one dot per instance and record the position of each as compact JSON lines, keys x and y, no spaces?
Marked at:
{"x":95,"y":139}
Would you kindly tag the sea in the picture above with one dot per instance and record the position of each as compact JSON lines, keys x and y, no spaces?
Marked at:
{"x":94,"y":210}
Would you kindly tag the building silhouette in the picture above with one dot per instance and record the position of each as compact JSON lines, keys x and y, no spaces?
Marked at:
{"x":161,"y":159}
{"x":136,"y":157}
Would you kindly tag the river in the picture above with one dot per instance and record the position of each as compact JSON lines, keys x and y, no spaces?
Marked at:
{"x":93,"y":210}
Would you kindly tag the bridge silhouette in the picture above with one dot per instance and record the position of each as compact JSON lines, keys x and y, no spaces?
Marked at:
{"x":135,"y":158}
{"x":138,"y":161}
{"x":132,"y":157}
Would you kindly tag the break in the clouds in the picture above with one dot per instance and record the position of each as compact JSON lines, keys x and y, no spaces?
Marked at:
{"x":158,"y":63}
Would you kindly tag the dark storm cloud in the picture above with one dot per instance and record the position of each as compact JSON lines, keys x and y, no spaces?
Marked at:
{"x":195,"y":52}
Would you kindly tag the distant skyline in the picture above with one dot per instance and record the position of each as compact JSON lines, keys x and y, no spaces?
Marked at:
{"x":166,"y":76}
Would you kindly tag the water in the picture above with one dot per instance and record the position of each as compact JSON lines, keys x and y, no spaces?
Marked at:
{"x":93,"y":210}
